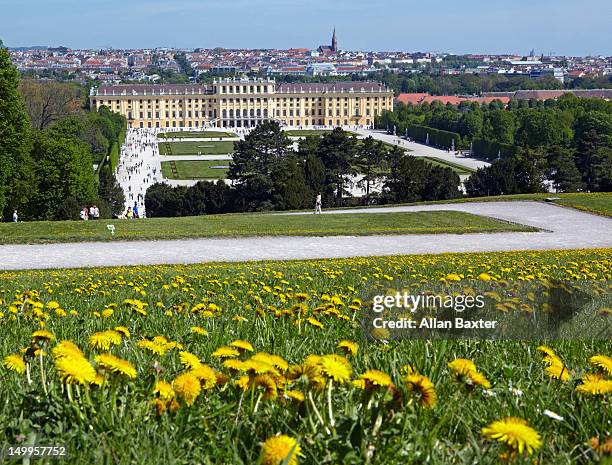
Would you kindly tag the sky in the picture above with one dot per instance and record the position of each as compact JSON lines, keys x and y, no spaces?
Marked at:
{"x":565,"y":27}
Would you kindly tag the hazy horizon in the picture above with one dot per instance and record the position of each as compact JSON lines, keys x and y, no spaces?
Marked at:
{"x":474,"y":26}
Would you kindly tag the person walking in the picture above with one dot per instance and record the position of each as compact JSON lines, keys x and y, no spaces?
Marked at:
{"x":15,"y":217}
{"x":318,"y":204}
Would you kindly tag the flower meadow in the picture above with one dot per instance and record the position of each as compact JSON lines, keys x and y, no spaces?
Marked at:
{"x":265,"y":362}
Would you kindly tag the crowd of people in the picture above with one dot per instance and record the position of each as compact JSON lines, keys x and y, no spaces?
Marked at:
{"x":135,"y":172}
{"x":90,"y":213}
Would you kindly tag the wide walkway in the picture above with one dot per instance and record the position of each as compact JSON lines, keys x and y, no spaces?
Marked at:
{"x":566,"y":228}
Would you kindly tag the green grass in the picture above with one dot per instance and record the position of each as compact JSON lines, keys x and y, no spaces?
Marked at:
{"x":116,"y":423}
{"x":311,"y":132}
{"x":189,"y":169}
{"x":240,"y":225}
{"x":196,"y":148}
{"x":599,"y":203}
{"x":459,"y":169}
{"x":195,"y":134}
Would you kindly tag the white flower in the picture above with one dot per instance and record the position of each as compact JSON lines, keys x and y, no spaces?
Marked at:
{"x":553,"y":415}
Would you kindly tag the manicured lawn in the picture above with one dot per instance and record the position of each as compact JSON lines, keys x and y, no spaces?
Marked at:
{"x":166,"y":396}
{"x":447,"y":164}
{"x":188,"y":169}
{"x":195,"y":134}
{"x":196,"y":148}
{"x":235,"y":225}
{"x":311,"y":132}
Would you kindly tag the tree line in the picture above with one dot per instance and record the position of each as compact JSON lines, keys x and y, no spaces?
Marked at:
{"x":565,"y":142}
{"x":48,"y":146}
{"x":267,"y":173}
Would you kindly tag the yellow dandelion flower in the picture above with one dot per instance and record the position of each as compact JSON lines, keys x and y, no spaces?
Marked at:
{"x":75,"y":370}
{"x":14,"y":363}
{"x":67,"y":349}
{"x":603,"y":362}
{"x":123,"y":330}
{"x":280,"y":449}
{"x":462,"y":366}
{"x":268,"y":384}
{"x":594,"y":385}
{"x":359,"y":384}
{"x":604,"y":447}
{"x":234,"y":364}
{"x":376,"y":378}
{"x":515,"y":433}
{"x":99,"y":380}
{"x":478,"y":379}
{"x":294,"y":394}
{"x":187,"y":386}
{"x":206,"y":375}
{"x":42,"y":335}
{"x":348,"y":347}
{"x":271,"y":359}
{"x":225,"y":352}
{"x":336,"y":367}
{"x":242,"y":345}
{"x":189,"y":360}
{"x":314,"y":322}
{"x":557,"y":371}
{"x":105,"y":339}
{"x":116,"y":365}
{"x":243,"y":382}
{"x":423,"y":387}
{"x":259,"y":367}
{"x":107,"y":312}
{"x":164,"y":390}
{"x":546,"y":350}
{"x":160,"y":406}
{"x":199,"y":330}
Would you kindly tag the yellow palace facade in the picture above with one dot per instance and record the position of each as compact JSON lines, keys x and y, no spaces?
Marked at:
{"x":235,"y":103}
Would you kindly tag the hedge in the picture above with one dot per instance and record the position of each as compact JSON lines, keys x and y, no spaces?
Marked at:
{"x":114,"y":156}
{"x":437,"y":137}
{"x":490,"y":150}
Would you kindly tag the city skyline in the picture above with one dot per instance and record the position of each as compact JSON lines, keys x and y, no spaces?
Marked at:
{"x":563,"y":28}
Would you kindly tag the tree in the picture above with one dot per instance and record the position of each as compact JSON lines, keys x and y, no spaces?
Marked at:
{"x":593,"y":139}
{"x":337,"y":152}
{"x":63,"y":169}
{"x":254,"y":160}
{"x":499,"y":125}
{"x":504,"y":177}
{"x":162,"y":200}
{"x":15,"y":164}
{"x":47,"y":102}
{"x":289,"y":186}
{"x":562,"y":170}
{"x":110,"y":191}
{"x":441,"y":184}
{"x":406,"y":181}
{"x":369,"y":157}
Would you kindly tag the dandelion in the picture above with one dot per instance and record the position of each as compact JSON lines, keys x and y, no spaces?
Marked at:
{"x":187,"y":386}
{"x":515,"y":433}
{"x":242,"y":346}
{"x":557,"y":371}
{"x":199,"y":330}
{"x":295,"y":395}
{"x":603,"y":362}
{"x":116,"y":365}
{"x":42,"y":335}
{"x":314,"y":322}
{"x":164,"y":390}
{"x":206,"y":375}
{"x":423,"y":387}
{"x":75,"y":370}
{"x":14,"y":363}
{"x":478,"y":379}
{"x":348,"y":347}
{"x":189,"y":360}
{"x":105,"y":339}
{"x":67,"y":349}
{"x":266,"y":381}
{"x":593,"y":385}
{"x":123,"y":330}
{"x":376,"y":378}
{"x":225,"y":352}
{"x":336,"y":367}
{"x":280,"y":449}
{"x":462,"y":366}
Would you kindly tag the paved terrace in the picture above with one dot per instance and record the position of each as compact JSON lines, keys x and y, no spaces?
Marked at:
{"x":566,"y":228}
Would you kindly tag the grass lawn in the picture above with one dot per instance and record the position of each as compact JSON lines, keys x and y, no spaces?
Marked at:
{"x":311,"y":132}
{"x":168,"y":398}
{"x":599,"y":203}
{"x":459,"y":169}
{"x":195,"y":134}
{"x":235,"y":225}
{"x":189,"y":169}
{"x":196,"y":148}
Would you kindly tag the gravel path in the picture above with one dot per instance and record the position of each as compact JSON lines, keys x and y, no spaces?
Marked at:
{"x":566,"y":228}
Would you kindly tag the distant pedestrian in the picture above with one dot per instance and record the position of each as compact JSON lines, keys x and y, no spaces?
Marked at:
{"x":135,"y":210}
{"x":15,"y":217}
{"x":129,"y":214}
{"x":318,"y":204}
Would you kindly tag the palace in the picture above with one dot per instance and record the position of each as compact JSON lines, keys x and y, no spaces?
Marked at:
{"x":241,"y":102}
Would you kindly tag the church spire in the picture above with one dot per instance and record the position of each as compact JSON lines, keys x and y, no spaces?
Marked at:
{"x":334,"y":44}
